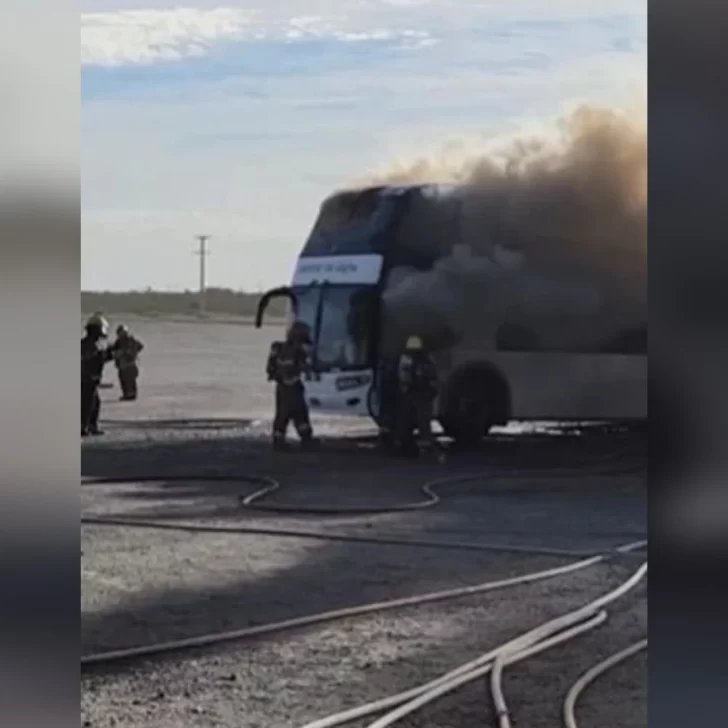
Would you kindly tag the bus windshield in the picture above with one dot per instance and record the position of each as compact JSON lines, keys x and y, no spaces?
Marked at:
{"x":342,"y":319}
{"x":349,"y":223}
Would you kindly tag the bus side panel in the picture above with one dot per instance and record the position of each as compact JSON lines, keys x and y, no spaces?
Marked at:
{"x":569,"y":386}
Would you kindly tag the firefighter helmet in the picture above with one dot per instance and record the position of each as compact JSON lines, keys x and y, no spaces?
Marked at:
{"x":300,"y":331}
{"x":122,"y":330}
{"x":99,"y":323}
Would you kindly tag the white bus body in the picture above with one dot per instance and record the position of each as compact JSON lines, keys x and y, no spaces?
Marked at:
{"x":533,"y":385}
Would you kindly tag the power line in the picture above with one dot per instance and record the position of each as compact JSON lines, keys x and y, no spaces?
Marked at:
{"x":202,"y":252}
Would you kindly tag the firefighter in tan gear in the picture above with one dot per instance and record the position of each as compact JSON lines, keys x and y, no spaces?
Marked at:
{"x":126,"y":356}
{"x":417,"y":389}
{"x":287,"y":363}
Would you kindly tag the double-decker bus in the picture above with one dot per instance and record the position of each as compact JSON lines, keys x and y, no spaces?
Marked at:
{"x":495,"y":364}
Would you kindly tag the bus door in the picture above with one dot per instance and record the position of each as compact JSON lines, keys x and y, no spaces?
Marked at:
{"x":306,"y":306}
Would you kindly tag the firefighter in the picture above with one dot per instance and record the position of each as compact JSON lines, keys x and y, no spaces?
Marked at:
{"x":287,"y":363}
{"x":388,"y":396}
{"x":94,"y":355}
{"x":126,"y":356}
{"x":417,"y":388}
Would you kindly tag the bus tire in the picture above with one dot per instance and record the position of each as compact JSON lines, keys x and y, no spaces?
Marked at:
{"x":476,"y":400}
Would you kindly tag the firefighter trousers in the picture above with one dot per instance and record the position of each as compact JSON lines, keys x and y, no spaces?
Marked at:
{"x":291,"y":407}
{"x":128,"y":376}
{"x":90,"y":405}
{"x":414,"y":413}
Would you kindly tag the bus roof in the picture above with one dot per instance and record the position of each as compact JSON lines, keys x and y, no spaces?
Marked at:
{"x":430,"y":189}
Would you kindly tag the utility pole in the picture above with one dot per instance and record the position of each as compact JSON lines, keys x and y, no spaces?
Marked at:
{"x":202,"y":252}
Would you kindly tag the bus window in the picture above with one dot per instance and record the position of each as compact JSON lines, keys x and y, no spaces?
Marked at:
{"x":346,"y":328}
{"x":349,"y":223}
{"x":307,"y":298}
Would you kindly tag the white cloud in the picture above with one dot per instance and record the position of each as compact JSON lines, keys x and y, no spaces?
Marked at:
{"x":163,"y":34}
{"x":248,"y":154}
{"x":143,"y":37}
{"x":146,"y":36}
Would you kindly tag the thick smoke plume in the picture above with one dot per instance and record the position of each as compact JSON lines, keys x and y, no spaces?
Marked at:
{"x":550,"y":232}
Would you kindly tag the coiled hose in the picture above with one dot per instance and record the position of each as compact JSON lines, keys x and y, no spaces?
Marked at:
{"x":269,"y":486}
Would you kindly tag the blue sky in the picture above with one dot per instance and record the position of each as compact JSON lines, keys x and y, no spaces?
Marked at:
{"x":235,"y":118}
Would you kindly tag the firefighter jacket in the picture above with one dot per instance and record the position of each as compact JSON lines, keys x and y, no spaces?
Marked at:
{"x":416,"y":374}
{"x":287,"y":363}
{"x":93,"y":357}
{"x":126,"y":351}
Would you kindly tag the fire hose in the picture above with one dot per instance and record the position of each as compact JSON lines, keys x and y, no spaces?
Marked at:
{"x":348,"y":612}
{"x":549,"y":634}
{"x":518,"y":649}
{"x":592,"y":674}
{"x":269,"y":486}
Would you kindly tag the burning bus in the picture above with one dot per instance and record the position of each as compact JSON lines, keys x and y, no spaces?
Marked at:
{"x":520,"y":331}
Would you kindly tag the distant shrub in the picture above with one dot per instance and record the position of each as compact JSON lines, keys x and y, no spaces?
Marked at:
{"x":160,"y":303}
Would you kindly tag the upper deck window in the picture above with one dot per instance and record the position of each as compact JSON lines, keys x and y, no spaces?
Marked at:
{"x":350,"y":223}
{"x":412,"y":226}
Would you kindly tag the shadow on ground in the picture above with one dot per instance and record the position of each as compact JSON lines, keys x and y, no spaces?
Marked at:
{"x":217,"y":472}
{"x":218,"y":424}
{"x":329,"y":575}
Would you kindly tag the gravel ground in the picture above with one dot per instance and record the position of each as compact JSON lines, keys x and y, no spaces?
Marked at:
{"x":142,"y":586}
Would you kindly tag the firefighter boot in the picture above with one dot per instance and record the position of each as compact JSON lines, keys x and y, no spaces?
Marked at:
{"x":279,"y":443}
{"x":309,"y":442}
{"x":431,"y":450}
